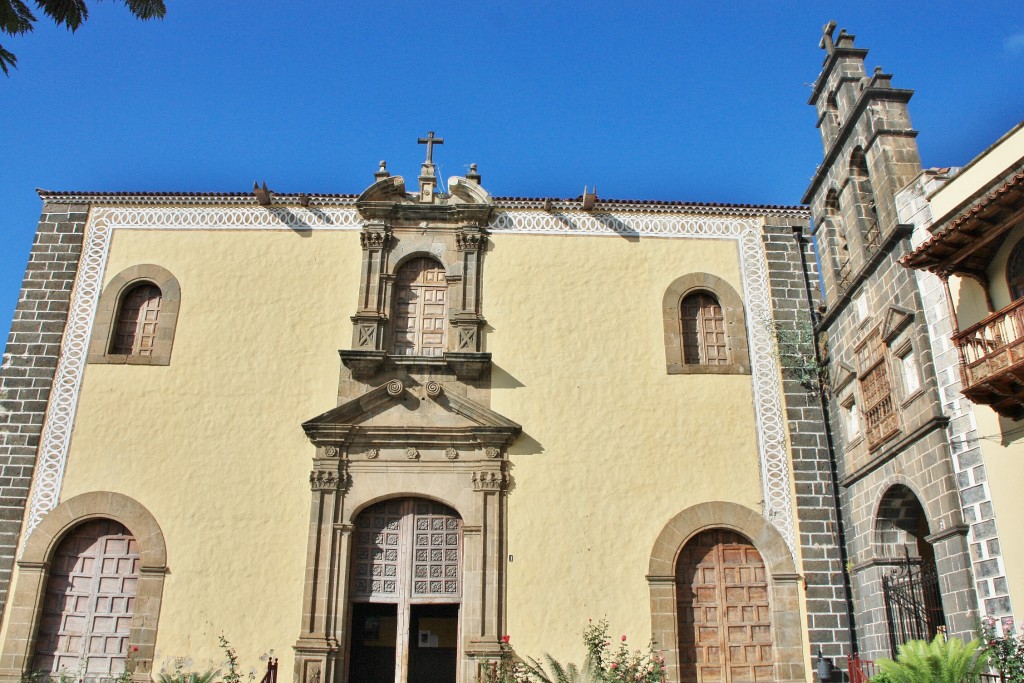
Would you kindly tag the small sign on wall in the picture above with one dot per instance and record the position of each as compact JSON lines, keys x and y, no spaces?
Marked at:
{"x":427,"y":638}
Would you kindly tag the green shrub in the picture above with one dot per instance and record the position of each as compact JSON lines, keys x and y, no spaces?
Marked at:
{"x":940,"y":661}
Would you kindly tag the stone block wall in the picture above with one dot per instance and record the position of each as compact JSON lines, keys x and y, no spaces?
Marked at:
{"x":817,"y":524}
{"x":30,"y":362}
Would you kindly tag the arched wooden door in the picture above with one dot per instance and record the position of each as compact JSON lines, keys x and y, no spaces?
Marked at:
{"x":406,"y":590}
{"x":89,"y":603}
{"x":724,"y":619}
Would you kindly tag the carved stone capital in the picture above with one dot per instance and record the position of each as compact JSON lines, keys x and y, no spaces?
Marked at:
{"x":324,"y":480}
{"x":470,"y":241}
{"x":375,"y":238}
{"x":488,"y":481}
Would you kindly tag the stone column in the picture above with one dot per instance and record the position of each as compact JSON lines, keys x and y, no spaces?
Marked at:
{"x":317,"y":649}
{"x":467,"y":321}
{"x":483,"y":600}
{"x":368,"y":322}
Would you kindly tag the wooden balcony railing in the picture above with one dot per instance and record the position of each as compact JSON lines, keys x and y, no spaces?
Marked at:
{"x":992,"y":360}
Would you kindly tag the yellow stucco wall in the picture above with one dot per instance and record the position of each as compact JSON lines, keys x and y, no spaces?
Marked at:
{"x":622,"y":445}
{"x":979,"y":172}
{"x":613,"y":447}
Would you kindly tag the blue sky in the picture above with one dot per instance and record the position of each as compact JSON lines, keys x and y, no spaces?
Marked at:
{"x":683,"y":100}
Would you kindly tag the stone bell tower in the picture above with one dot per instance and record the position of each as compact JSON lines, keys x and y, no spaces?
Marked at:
{"x":898,"y":490}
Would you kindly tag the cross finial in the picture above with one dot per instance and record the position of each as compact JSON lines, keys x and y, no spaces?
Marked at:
{"x":827,"y":43}
{"x":430,"y":141}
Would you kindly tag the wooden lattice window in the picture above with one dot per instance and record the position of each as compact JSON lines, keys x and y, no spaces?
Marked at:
{"x":137,"y":319}
{"x":421,"y":308}
{"x":1015,"y":271}
{"x":703,"y":330}
{"x":879,"y":406}
{"x":89,"y":603}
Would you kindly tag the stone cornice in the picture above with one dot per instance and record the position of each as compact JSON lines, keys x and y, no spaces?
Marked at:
{"x":298,"y":200}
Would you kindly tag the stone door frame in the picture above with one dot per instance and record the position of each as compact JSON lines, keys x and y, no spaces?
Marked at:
{"x":788,"y":641}
{"x":26,"y":605}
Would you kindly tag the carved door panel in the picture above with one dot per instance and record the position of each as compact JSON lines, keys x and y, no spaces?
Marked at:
{"x":89,"y":602}
{"x":723,"y":612}
{"x":421,"y":308}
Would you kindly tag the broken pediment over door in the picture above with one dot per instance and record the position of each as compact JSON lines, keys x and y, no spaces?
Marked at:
{"x":399,"y":417}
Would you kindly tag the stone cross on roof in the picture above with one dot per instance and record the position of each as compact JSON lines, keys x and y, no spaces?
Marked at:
{"x":430,"y":141}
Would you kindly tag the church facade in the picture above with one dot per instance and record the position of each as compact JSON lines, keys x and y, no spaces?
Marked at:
{"x":376,"y":433}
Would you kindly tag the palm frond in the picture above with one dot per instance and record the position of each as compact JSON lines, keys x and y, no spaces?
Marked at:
{"x":7,"y":61}
{"x":70,"y":13}
{"x":147,"y":9}
{"x":15,"y":17}
{"x":940,"y":661}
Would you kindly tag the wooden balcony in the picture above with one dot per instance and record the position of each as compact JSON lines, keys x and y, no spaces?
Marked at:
{"x":992,"y":360}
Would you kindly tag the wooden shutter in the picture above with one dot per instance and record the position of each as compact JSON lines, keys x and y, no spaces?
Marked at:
{"x":703,"y":330}
{"x":881,"y":420}
{"x":421,"y":308}
{"x":135,"y":333}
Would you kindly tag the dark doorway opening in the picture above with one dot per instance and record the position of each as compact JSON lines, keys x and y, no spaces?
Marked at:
{"x":433,"y":643}
{"x":374,"y":639}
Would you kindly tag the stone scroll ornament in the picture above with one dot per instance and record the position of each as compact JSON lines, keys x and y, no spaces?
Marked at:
{"x":512,"y":217}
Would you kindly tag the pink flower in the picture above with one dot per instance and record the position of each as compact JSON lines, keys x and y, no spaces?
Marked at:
{"x":505,"y":639}
{"x":623,"y":638}
{"x":135,"y":648}
{"x":615,"y":665}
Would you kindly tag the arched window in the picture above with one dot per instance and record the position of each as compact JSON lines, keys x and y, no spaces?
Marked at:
{"x":420,"y":322}
{"x":702,"y":330}
{"x":863,"y":198}
{"x":1015,"y":271}
{"x":89,"y":603}
{"x":705,"y":328}
{"x":835,"y":231}
{"x":136,"y":317}
{"x":137,"y":320}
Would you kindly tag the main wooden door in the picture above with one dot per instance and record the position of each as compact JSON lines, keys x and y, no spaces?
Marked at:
{"x":90,"y":599}
{"x":421,"y":308}
{"x":724,"y":618}
{"x":406,"y":588}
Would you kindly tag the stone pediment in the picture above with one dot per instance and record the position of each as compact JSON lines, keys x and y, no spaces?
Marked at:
{"x":397,"y":414}
{"x":896,"y":319}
